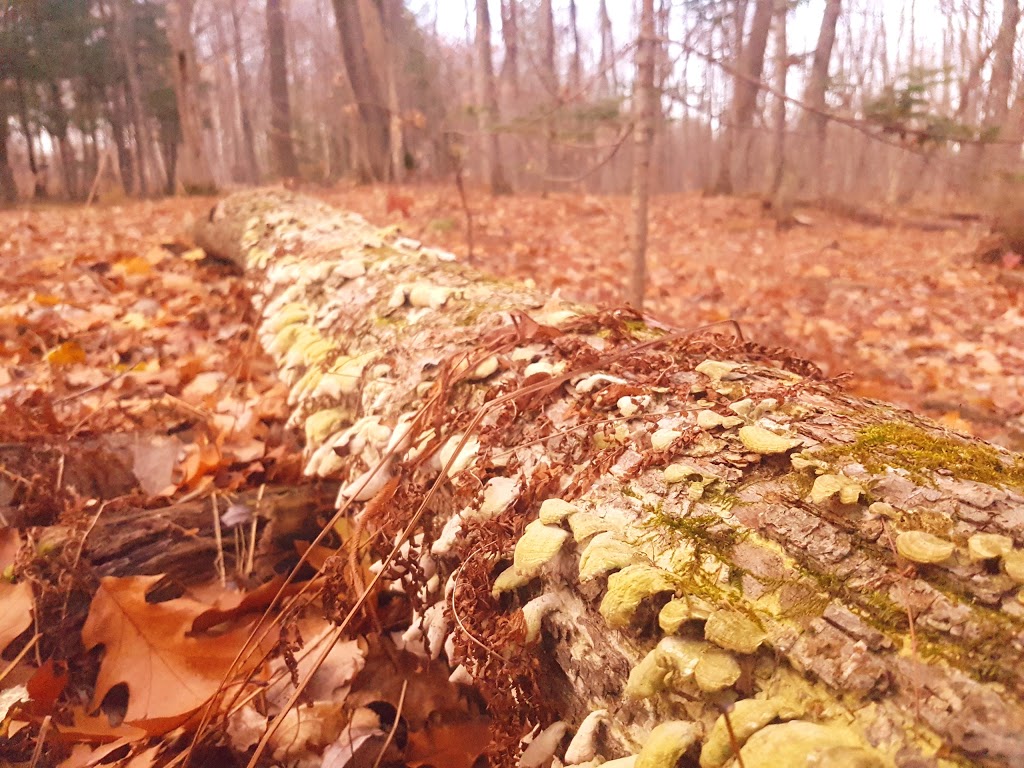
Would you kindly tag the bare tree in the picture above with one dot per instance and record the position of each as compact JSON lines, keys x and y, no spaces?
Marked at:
{"x":644,"y":100}
{"x":814,"y":121}
{"x":8,"y":187}
{"x":575,"y":63}
{"x":124,"y":33}
{"x":510,"y":39}
{"x":287,"y":164}
{"x":781,"y":204}
{"x":372,"y":128}
{"x":193,"y":167}
{"x":549,"y":79}
{"x":606,"y":62}
{"x":244,"y":95}
{"x":746,"y":84}
{"x":487,"y":101}
{"x":995,"y":122}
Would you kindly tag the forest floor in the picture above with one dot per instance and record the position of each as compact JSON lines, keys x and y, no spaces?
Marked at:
{"x":112,"y":324}
{"x":904,"y":309}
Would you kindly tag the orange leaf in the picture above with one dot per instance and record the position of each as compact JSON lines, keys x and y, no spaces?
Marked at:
{"x":45,"y":686}
{"x":237,"y":606}
{"x":135,"y":265}
{"x":15,"y":610}
{"x":454,"y":745}
{"x":68,"y":353}
{"x":168,"y":673}
{"x":97,"y":730}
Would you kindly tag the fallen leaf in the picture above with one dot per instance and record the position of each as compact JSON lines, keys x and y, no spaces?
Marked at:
{"x":454,"y":745}
{"x":168,"y":673}
{"x":45,"y":687}
{"x":68,"y":353}
{"x":96,"y":730}
{"x":235,"y":605}
{"x":15,"y":610}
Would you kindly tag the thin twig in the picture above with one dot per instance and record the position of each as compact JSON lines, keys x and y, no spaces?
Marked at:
{"x":394,"y":725}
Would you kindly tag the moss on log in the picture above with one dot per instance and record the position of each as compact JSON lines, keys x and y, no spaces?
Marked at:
{"x":733,"y":534}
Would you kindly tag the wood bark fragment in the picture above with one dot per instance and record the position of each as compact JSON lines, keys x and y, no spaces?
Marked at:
{"x":700,"y":472}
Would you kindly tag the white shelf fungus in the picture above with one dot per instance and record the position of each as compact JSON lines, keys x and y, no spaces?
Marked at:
{"x":734,"y":631}
{"x":986,"y":546}
{"x":760,"y":440}
{"x":827,"y":486}
{"x":538,"y":545}
{"x":663,"y":438}
{"x":605,"y":552}
{"x":923,"y":547}
{"x":667,"y":743}
{"x":534,"y":613}
{"x":554,"y":511}
{"x":630,"y":587}
{"x":747,"y":717}
{"x":583,"y":746}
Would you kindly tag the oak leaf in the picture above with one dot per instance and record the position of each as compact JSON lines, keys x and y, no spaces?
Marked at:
{"x":15,"y":599}
{"x":169,"y":673}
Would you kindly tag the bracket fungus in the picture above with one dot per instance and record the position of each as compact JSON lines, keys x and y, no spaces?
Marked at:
{"x":667,"y":743}
{"x":760,"y":440}
{"x":734,"y":631}
{"x":536,"y":547}
{"x":747,"y":717}
{"x":630,"y":587}
{"x":988,"y":546}
{"x":554,"y":511}
{"x":923,"y":547}
{"x":826,"y":486}
{"x":604,"y":553}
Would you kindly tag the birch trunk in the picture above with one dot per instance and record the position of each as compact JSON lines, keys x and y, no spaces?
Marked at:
{"x":721,"y":504}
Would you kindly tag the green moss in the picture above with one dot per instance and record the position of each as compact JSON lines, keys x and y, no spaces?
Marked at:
{"x":627,"y":490}
{"x":923,"y":452}
{"x":443,"y":225}
{"x":706,"y":533}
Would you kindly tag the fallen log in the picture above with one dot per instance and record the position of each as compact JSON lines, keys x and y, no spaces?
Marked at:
{"x":677,"y":542}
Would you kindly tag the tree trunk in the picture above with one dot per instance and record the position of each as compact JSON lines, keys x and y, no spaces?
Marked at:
{"x":192,"y":166}
{"x":834,"y":562}
{"x":779,"y":194}
{"x":39,"y":170}
{"x":391,"y":19}
{"x":285,"y":161}
{"x":244,"y":95}
{"x":644,"y":103}
{"x":59,"y":122}
{"x":373,"y":126}
{"x":487,"y":102}
{"x":995,"y":124}
{"x":124,"y":40}
{"x":8,"y":187}
{"x":814,"y":121}
{"x":606,"y":63}
{"x":576,"y":62}
{"x":549,"y":79}
{"x":746,"y":86}
{"x":510,"y":39}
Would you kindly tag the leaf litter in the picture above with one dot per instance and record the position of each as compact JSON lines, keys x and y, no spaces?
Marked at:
{"x":117,"y":350}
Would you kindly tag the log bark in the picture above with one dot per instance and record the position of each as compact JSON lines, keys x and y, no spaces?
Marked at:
{"x":718,"y":494}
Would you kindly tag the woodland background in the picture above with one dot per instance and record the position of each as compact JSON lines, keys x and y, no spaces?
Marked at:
{"x":825,"y":173}
{"x":863,"y":100}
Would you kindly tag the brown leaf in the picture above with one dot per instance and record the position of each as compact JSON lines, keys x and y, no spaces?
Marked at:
{"x":45,"y":687}
{"x":15,"y":611}
{"x":238,"y":605}
{"x":454,"y":745}
{"x":168,"y":673}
